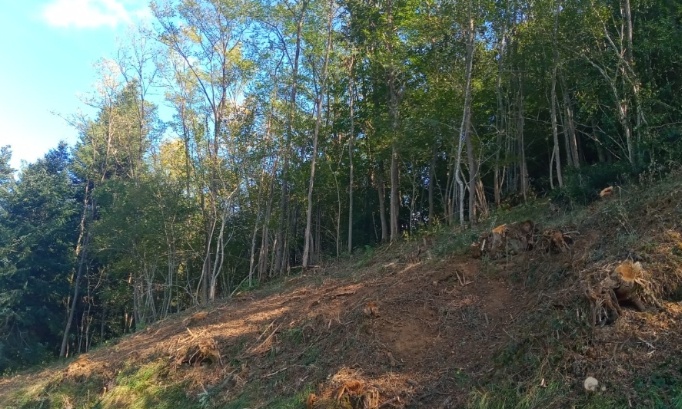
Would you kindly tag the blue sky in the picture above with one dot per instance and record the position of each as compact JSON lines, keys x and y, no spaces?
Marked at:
{"x":49,"y":48}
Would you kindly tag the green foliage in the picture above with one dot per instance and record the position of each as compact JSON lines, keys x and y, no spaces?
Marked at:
{"x":291,"y":402}
{"x":663,"y":388}
{"x":143,"y":388}
{"x":582,"y":186}
{"x":147,"y":387}
{"x":39,"y":220}
{"x":366,"y":256}
{"x":293,"y":335}
{"x":457,"y":243}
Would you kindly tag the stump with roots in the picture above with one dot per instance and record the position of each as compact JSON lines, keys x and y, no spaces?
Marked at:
{"x":199,"y":351}
{"x":505,"y":239}
{"x":352,"y":394}
{"x":555,"y":241}
{"x":628,"y":284}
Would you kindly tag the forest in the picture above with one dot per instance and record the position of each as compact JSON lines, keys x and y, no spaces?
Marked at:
{"x":238,"y":141}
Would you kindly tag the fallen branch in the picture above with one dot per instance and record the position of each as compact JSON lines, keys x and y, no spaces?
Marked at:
{"x":462,"y":282}
{"x":393,"y":402}
{"x":276,"y":372}
{"x":343,"y":293}
{"x":265,"y":341}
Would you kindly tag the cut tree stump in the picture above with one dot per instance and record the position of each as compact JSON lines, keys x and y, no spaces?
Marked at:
{"x":505,"y":239}
{"x":626,"y":285}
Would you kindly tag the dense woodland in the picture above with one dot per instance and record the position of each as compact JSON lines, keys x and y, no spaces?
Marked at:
{"x":303,"y":130}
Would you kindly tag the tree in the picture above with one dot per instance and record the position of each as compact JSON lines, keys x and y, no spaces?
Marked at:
{"x":40,"y":216}
{"x":209,"y":40}
{"x":321,"y":74}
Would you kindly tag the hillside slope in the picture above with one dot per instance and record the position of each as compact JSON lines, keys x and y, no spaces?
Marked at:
{"x":419,"y":324}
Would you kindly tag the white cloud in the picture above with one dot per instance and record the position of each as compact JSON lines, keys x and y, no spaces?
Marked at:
{"x":91,"y":13}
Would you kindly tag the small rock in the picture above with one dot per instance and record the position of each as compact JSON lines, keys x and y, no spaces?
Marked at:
{"x":591,"y":384}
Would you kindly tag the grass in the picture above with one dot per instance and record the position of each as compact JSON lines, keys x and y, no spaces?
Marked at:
{"x":146,"y":387}
{"x":252,"y":396}
{"x":547,"y":394}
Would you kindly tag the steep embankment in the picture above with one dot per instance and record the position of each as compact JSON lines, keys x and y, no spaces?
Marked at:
{"x":418,"y":324}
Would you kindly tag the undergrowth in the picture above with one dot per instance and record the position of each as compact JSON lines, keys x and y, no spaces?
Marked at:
{"x":142,"y":387}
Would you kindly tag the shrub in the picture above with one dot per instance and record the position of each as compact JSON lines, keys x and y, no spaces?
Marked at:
{"x":582,"y":186}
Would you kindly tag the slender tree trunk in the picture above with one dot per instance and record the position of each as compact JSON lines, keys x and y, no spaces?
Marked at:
{"x":395,"y":96}
{"x":553,"y":103}
{"x":458,"y":191}
{"x":501,"y":119}
{"x":555,"y":132}
{"x":351,"y":140}
{"x":219,"y":257}
{"x":309,"y":211}
{"x":570,"y":124}
{"x":254,"y":234}
{"x":318,"y":120}
{"x":481,"y":201}
{"x":499,"y":135}
{"x":81,"y":253}
{"x":520,"y":122}
{"x":381,"y":190}
{"x":466,"y":119}
{"x":281,"y":240}
{"x":265,"y":235}
{"x":632,"y":77}
{"x":394,"y":194}
{"x":432,"y":183}
{"x":210,"y":224}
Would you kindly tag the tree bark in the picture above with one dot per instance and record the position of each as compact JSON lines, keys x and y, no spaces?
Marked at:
{"x":394,"y":194}
{"x":281,"y":240}
{"x":523,"y":166}
{"x":466,"y":117}
{"x":381,"y":190}
{"x":570,"y":123}
{"x":555,"y":132}
{"x":432,"y":183}
{"x":318,"y":120}
{"x":351,"y":140}
{"x":81,"y":252}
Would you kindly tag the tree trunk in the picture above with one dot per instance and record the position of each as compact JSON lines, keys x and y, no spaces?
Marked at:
{"x":351,"y":140}
{"x":381,"y":190}
{"x":254,"y":234}
{"x":501,"y":117}
{"x":394,"y":195}
{"x":555,"y":132}
{"x":523,"y":166}
{"x":81,"y":252}
{"x":458,"y":191}
{"x":466,"y":117}
{"x":309,"y":211}
{"x":281,"y":240}
{"x":316,"y":133}
{"x":570,"y":124}
{"x":432,"y":182}
{"x":395,"y":95}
